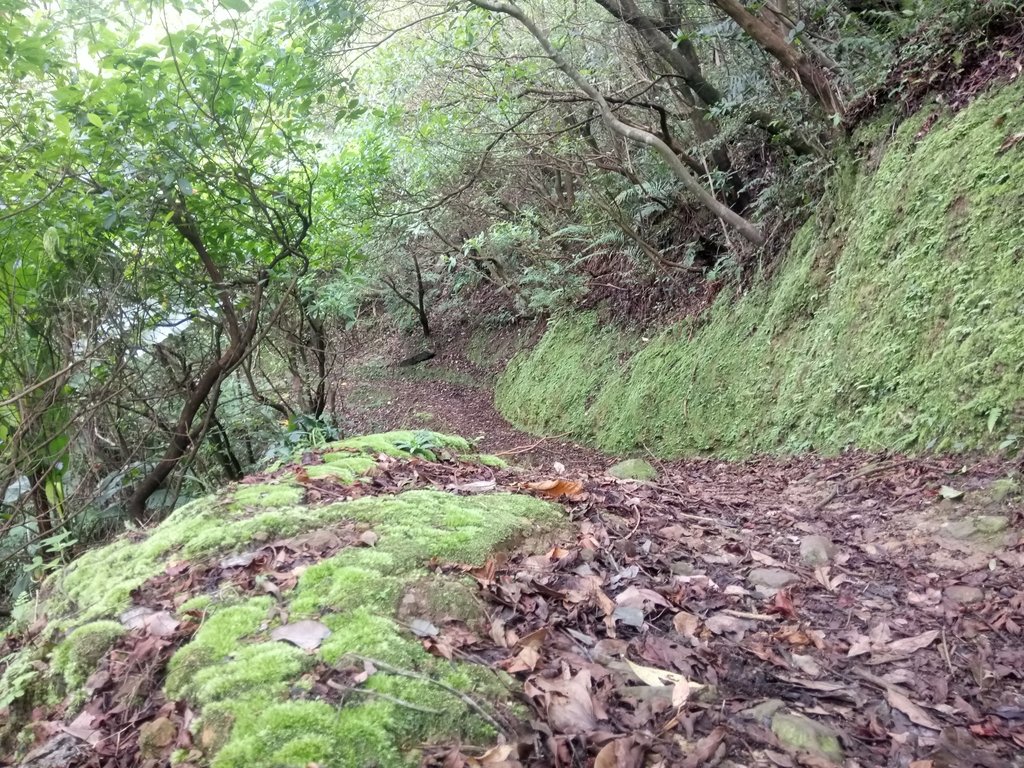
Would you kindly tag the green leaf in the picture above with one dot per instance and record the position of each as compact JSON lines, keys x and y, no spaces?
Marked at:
{"x":993,"y":418}
{"x":235,"y":5}
{"x":95,"y":119}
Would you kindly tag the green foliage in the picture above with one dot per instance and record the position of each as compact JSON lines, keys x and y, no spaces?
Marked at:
{"x":893,"y":322}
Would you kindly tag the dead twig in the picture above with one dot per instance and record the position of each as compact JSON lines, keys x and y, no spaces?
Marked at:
{"x":467,"y":700}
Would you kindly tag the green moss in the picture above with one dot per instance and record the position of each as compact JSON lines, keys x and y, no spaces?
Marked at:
{"x":263,"y":669}
{"x":197,"y":603}
{"x":336,"y":585}
{"x":388,"y":443}
{"x":249,"y":691}
{"x":268,"y":495}
{"x":216,"y":640}
{"x":894,"y":321}
{"x":420,"y":525}
{"x":487,"y":460}
{"x":77,"y":656}
{"x":368,"y":634}
{"x":299,"y":733}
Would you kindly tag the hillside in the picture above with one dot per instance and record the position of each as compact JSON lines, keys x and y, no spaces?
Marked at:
{"x":894,"y":320}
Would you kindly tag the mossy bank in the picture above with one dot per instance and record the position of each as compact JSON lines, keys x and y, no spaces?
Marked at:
{"x":255,"y":697}
{"x":896,"y":320}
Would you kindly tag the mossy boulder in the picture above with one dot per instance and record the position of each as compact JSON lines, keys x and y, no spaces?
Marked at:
{"x":76,"y":657}
{"x":252,"y":695}
{"x":801,"y":734}
{"x":633,"y":469}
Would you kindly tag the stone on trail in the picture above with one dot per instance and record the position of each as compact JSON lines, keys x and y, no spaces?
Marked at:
{"x":991,"y":523}
{"x":816,"y":550}
{"x":771,"y":578}
{"x":801,"y":734}
{"x":963,"y":594}
{"x":633,"y":469}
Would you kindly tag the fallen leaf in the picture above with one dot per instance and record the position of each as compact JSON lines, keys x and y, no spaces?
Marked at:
{"x":477,"y":486}
{"x":685,"y":624}
{"x":635,"y":597}
{"x":659,"y":677}
{"x":948,"y":492}
{"x":556,"y":489}
{"x":306,"y":634}
{"x":680,"y":693}
{"x":568,"y":703}
{"x":621,"y":753}
{"x":705,"y":749}
{"x":423,"y":628}
{"x":723,"y":624}
{"x":629,"y":615}
{"x":916,"y":714}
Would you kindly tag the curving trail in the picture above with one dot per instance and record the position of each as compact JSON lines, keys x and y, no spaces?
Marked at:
{"x":861,"y":610}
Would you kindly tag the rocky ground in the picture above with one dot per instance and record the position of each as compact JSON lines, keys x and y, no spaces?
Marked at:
{"x":862,"y":610}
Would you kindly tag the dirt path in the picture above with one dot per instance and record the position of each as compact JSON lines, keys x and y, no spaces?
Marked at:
{"x":459,"y":409}
{"x":861,"y":610}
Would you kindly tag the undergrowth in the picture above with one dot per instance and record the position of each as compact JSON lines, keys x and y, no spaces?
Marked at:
{"x":894,"y":321}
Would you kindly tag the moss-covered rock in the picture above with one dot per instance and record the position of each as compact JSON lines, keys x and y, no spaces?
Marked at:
{"x":633,"y":469}
{"x":894,"y":320}
{"x":76,"y":658}
{"x":252,"y":694}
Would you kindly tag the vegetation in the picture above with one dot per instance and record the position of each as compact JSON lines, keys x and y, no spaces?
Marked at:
{"x":234,"y":673}
{"x":893,"y":323}
{"x":701,"y":226}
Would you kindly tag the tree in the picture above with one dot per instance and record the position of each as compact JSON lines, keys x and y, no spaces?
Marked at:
{"x":627,"y":131}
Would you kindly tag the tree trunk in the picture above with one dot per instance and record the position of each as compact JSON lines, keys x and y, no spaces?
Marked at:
{"x":812,"y":78}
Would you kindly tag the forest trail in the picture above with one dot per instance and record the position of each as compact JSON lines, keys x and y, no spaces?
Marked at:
{"x":861,"y":610}
{"x":457,"y":407}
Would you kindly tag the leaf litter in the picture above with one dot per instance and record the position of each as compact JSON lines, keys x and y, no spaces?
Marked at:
{"x":641,"y":639}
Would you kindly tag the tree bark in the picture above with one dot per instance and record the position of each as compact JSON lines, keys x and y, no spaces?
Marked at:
{"x":811,"y":77}
{"x":748,"y":230}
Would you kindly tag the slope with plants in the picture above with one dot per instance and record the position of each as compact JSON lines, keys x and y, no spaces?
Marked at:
{"x":892,"y":322}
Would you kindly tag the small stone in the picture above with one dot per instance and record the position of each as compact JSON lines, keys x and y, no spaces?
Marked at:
{"x":960,"y":529}
{"x":816,"y":550}
{"x":1002,"y":489}
{"x":964,"y":594}
{"x":154,"y":736}
{"x":772,"y":578}
{"x":801,"y":734}
{"x":991,"y":523}
{"x":633,"y":469}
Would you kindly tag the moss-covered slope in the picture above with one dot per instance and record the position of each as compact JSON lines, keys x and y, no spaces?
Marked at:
{"x":895,"y":321}
{"x":260,"y":702}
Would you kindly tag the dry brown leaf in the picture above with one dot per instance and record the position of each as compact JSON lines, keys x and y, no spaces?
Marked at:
{"x":705,"y":749}
{"x":680,"y":693}
{"x":306,"y":634}
{"x":557,"y":489}
{"x":685,"y":624}
{"x":568,"y":703}
{"x":912,"y":644}
{"x":621,"y":753}
{"x":636,"y":597}
{"x":916,"y":714}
